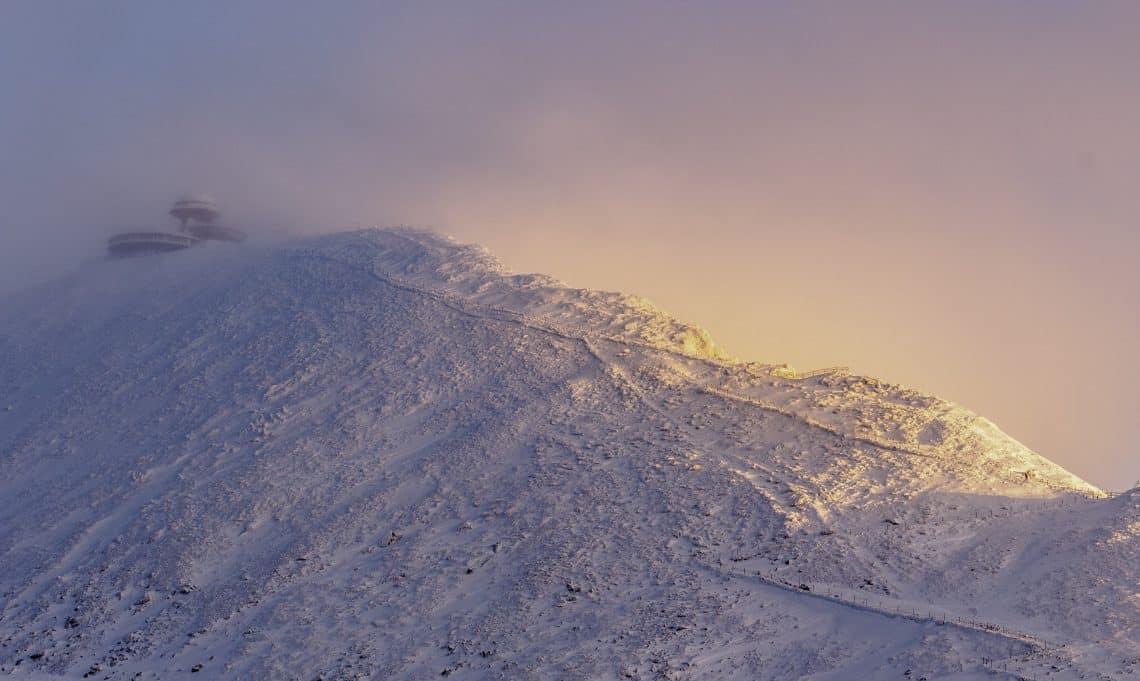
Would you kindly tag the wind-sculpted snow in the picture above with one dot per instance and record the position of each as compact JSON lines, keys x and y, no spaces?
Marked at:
{"x":379,"y":455}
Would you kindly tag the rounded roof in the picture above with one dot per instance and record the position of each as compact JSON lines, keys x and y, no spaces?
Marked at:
{"x":195,"y":207}
{"x":138,"y":243}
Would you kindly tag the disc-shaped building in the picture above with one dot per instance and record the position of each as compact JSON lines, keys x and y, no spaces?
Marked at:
{"x":197,"y":223}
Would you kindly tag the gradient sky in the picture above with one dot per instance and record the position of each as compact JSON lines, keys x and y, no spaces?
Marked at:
{"x":942,"y":194}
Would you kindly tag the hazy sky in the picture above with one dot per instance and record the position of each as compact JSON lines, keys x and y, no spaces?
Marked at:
{"x":942,"y":194}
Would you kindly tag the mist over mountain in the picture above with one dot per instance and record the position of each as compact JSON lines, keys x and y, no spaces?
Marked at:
{"x":380,"y":454}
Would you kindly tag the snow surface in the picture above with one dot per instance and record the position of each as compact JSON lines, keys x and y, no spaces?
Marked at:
{"x":380,"y":455}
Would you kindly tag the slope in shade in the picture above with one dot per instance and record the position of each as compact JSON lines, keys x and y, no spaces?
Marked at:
{"x":380,"y":455}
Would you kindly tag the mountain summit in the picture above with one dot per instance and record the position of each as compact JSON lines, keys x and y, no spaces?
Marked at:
{"x":381,"y":455}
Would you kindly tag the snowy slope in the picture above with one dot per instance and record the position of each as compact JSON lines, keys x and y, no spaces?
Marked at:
{"x":379,"y":455}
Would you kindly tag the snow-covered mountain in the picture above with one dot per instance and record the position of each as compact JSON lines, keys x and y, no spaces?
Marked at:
{"x":380,"y":455}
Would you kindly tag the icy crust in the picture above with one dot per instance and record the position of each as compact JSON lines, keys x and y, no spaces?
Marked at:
{"x":346,"y":458}
{"x":425,"y":259}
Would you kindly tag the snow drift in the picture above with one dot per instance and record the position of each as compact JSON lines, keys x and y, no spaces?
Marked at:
{"x":380,"y":455}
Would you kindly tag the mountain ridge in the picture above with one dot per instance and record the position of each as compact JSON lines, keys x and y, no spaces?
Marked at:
{"x":473,"y":276}
{"x":381,"y":454}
